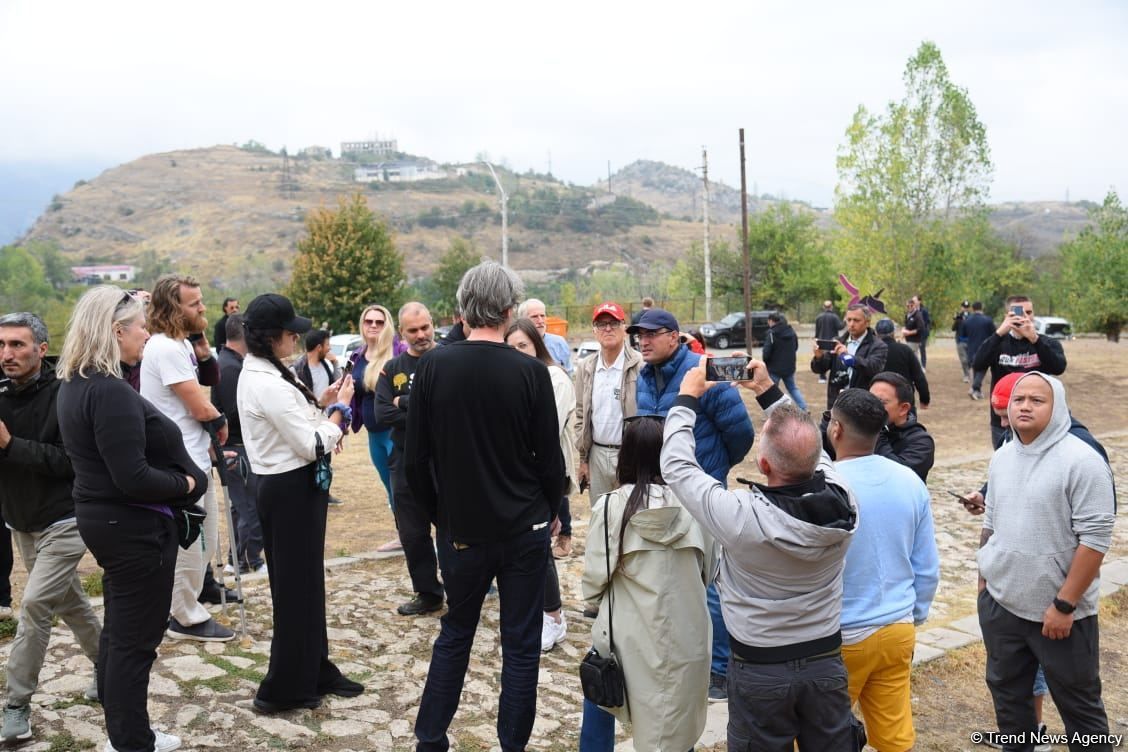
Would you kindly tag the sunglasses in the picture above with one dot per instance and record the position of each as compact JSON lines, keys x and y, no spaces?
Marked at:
{"x":374,"y":322}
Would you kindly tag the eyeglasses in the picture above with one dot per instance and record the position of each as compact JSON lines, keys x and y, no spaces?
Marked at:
{"x":607,"y":326}
{"x":652,"y":335}
{"x":374,"y":322}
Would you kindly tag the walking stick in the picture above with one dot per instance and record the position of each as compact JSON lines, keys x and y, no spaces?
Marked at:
{"x":221,"y":471}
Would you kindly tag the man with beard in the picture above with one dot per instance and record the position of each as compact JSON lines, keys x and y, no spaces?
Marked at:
{"x":170,"y":380}
{"x":393,"y":395}
{"x":780,"y":346}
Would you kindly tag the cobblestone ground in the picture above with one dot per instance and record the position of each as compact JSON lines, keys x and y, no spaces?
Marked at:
{"x":203,"y":692}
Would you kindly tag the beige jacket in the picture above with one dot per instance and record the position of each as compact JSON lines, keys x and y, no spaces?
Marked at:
{"x":663,"y":635}
{"x":585,"y":377}
{"x":565,"y":395}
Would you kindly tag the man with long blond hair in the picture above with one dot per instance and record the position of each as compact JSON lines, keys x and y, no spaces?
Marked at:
{"x":170,"y":380}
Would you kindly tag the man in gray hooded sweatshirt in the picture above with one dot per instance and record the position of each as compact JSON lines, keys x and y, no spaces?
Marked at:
{"x":1045,"y":533}
{"x":780,"y":582}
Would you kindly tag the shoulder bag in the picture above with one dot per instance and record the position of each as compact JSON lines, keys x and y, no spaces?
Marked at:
{"x":322,"y":471}
{"x":602,"y":677}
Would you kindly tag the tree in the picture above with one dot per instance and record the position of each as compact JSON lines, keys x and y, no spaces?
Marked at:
{"x":1095,"y":271}
{"x":788,"y":262}
{"x":346,"y":260}
{"x":459,"y":258}
{"x":23,"y":285}
{"x":912,"y":187}
{"x":55,"y":267}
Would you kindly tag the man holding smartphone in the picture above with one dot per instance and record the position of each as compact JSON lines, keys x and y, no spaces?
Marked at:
{"x":1016,"y":348}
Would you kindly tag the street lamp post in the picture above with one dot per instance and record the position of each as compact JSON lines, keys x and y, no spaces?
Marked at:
{"x":504,"y":217}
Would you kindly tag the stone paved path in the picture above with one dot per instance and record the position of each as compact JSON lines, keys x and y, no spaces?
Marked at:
{"x":203,"y":692}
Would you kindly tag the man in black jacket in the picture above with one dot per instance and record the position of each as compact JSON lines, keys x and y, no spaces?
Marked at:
{"x":219,"y":338}
{"x":35,"y":495}
{"x":827,"y":325}
{"x":317,"y":369}
{"x":858,"y":355}
{"x":977,"y":328}
{"x":393,"y":395}
{"x":900,"y":359}
{"x":780,"y":346}
{"x":918,"y":327}
{"x":1016,"y":348}
{"x":903,"y":439}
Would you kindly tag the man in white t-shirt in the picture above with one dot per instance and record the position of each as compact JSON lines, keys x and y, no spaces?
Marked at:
{"x":169,"y":379}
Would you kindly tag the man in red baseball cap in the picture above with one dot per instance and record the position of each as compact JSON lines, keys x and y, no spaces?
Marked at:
{"x":605,"y":395}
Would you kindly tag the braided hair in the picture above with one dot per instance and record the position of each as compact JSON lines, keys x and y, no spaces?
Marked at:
{"x":260,"y":342}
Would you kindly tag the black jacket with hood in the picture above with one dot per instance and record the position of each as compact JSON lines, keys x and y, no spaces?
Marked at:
{"x":780,"y":346}
{"x":909,"y":445}
{"x":35,"y":471}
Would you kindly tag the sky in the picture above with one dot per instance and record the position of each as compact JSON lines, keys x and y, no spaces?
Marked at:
{"x":569,"y":86}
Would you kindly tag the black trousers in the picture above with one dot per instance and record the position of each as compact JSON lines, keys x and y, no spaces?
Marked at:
{"x":1015,"y":647}
{"x":136,"y":548}
{"x":414,"y":528}
{"x":293,"y":516}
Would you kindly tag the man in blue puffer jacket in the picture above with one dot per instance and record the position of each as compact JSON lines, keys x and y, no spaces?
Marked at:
{"x":723,"y":434}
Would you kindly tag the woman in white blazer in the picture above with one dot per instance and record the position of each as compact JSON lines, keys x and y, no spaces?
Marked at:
{"x":285,"y":432}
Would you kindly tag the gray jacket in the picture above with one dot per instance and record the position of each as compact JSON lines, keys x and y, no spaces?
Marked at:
{"x":780,"y":578}
{"x":1044,"y":499}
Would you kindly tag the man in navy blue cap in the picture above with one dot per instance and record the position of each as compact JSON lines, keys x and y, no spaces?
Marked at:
{"x":723,"y":434}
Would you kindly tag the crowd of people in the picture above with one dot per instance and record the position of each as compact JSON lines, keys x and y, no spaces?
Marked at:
{"x":794,"y":599}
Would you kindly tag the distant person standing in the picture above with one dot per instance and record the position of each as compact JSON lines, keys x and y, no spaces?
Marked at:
{"x":219,"y":336}
{"x":961,"y":339}
{"x":1015,"y":347}
{"x":827,"y":326}
{"x":978,"y":328}
{"x":647,"y":304}
{"x":318,"y":368}
{"x":899,"y":359}
{"x":918,"y":325}
{"x":558,"y":348}
{"x":780,"y":346}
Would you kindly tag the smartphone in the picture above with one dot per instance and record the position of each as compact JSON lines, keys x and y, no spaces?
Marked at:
{"x":826,"y":344}
{"x":734,"y":368}
{"x":1016,"y":310}
{"x":968,"y":503}
{"x":193,"y":338}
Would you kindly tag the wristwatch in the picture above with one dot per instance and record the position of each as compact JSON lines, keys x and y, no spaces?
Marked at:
{"x":1064,"y":606}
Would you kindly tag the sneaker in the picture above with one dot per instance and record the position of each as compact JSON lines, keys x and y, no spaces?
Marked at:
{"x":161,"y":743}
{"x":215,"y":596}
{"x":335,"y":502}
{"x":392,"y":545}
{"x":718,"y":688}
{"x":966,"y":380}
{"x":228,"y":568}
{"x":342,"y":686}
{"x":1041,"y":744}
{"x":562,"y":549}
{"x":822,"y":380}
{"x":265,"y":707}
{"x":420,"y":604}
{"x":553,"y":632}
{"x":208,"y":631}
{"x":17,"y":723}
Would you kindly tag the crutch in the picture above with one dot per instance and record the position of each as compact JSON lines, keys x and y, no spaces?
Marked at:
{"x":221,"y":471}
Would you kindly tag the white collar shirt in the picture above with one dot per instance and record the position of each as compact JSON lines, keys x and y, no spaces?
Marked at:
{"x":607,"y":400}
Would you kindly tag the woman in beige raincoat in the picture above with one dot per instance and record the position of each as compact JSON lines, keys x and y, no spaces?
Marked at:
{"x":656,"y":595}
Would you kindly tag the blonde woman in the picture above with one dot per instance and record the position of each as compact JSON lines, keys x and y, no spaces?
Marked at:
{"x":378,"y":329}
{"x":131,"y":474}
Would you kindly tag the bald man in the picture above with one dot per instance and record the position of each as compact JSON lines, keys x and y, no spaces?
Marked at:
{"x":534,"y":310}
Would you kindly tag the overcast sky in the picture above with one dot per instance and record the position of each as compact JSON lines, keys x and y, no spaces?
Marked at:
{"x":580,"y":83}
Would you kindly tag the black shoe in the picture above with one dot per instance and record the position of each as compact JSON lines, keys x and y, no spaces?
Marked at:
{"x":342,"y":686}
{"x":718,"y":688}
{"x":334,"y":501}
{"x":213,"y":596}
{"x":265,"y":707}
{"x":420,"y":604}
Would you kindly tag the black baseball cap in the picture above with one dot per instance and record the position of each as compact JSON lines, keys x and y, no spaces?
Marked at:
{"x":273,"y":311}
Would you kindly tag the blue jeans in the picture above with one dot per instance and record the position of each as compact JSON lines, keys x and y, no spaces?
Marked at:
{"x":518,"y":565}
{"x":380,"y":448}
{"x":721,"y":649}
{"x":792,"y":388}
{"x":597,"y":731}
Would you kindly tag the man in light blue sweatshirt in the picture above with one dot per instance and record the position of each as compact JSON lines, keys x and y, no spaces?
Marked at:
{"x":1048,"y":524}
{"x":892,"y":569}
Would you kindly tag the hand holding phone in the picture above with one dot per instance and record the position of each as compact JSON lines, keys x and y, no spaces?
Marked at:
{"x":826,"y":345}
{"x":970,"y":505}
{"x":733,"y":368}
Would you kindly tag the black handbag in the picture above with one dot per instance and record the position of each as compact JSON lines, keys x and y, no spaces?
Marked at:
{"x":602,"y":677}
{"x":322,"y":470}
{"x":189,"y":524}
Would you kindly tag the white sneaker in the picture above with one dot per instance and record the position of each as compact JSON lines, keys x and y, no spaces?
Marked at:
{"x":553,"y":632}
{"x":162,"y":743}
{"x":228,"y":569}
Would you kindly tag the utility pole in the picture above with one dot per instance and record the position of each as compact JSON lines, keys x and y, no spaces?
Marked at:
{"x":744,"y":243}
{"x":708,"y":262}
{"x":504,"y":217}
{"x":608,"y":176}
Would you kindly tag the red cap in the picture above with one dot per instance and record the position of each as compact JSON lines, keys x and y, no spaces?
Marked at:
{"x":1001,"y":393}
{"x":611,"y":309}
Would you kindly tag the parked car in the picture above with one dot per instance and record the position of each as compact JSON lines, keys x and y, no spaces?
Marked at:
{"x":441,"y":332}
{"x":1052,"y":326}
{"x":343,"y":345}
{"x":586,"y":348}
{"x":729,"y":331}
